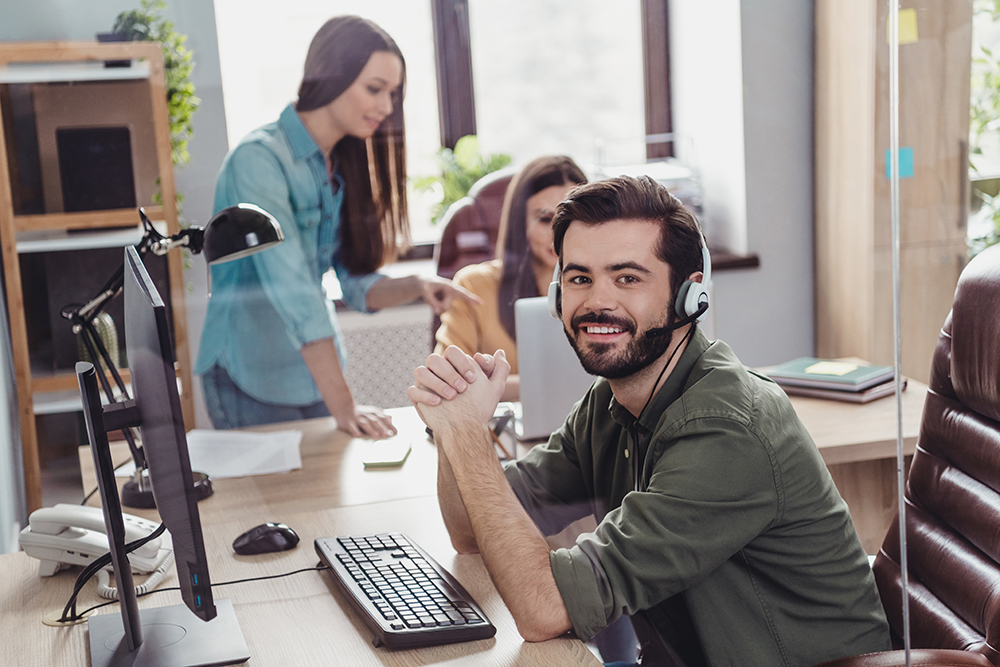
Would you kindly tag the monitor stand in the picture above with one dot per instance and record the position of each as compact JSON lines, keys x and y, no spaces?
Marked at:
{"x":171,"y":637}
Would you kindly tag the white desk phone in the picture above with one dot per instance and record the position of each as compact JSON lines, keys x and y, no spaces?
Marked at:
{"x":67,"y":535}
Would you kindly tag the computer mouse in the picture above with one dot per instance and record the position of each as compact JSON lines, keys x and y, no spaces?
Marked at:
{"x":265,"y":538}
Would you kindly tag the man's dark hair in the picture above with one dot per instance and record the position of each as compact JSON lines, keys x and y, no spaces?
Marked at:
{"x":642,"y":198}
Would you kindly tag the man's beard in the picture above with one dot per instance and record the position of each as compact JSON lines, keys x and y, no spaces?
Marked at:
{"x":599,"y":359}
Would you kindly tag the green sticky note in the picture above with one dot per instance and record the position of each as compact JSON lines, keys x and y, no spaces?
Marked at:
{"x":907,"y":27}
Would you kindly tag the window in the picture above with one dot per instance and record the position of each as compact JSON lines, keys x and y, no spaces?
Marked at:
{"x":551,"y":78}
{"x":530,"y":77}
{"x":262,"y":52}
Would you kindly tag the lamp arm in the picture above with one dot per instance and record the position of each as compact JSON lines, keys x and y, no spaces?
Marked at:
{"x":87,"y":312}
{"x":97,"y":351}
{"x":191,"y":238}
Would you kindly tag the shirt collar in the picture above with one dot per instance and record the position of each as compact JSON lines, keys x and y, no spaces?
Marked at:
{"x":299,"y":139}
{"x":671,"y":389}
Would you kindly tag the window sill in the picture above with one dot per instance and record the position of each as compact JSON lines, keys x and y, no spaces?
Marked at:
{"x":725,"y":261}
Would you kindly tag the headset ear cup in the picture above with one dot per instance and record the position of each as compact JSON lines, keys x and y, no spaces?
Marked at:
{"x":555,"y":293}
{"x":555,"y":300}
{"x":696,"y":295}
{"x":680,"y":303}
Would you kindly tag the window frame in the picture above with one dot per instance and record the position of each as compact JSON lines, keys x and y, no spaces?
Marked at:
{"x":456,"y":96}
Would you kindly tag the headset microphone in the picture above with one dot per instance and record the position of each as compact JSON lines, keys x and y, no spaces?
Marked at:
{"x":659,"y":331}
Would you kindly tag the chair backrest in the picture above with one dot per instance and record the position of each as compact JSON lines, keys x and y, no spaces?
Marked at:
{"x":471,"y":224}
{"x":953,"y":485}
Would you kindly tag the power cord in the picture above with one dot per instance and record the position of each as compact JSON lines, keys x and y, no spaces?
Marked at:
{"x":316,"y":568}
{"x":69,"y":614}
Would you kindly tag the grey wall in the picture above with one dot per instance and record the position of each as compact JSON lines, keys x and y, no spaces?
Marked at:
{"x":766,"y":314}
{"x":43,"y":20}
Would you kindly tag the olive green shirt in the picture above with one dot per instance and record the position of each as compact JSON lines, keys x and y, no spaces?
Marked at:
{"x":735,"y":510}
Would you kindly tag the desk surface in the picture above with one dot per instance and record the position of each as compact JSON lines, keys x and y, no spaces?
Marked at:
{"x":849,"y":432}
{"x":301,"y":619}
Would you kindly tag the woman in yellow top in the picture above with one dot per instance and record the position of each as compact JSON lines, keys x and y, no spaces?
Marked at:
{"x":523,"y":266}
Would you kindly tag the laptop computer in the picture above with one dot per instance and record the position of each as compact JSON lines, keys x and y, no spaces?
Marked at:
{"x":552,"y":379}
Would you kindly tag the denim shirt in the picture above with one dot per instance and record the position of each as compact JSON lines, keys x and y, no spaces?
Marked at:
{"x":265,"y":307}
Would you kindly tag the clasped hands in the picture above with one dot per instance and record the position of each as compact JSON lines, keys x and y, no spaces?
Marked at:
{"x":455,"y":390}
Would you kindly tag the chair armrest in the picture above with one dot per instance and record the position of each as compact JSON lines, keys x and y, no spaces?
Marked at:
{"x":927,"y":657}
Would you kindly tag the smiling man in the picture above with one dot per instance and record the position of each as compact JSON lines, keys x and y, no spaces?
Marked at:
{"x":720,"y":532}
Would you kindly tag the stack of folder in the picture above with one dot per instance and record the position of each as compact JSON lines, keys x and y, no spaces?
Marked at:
{"x":837,"y":380}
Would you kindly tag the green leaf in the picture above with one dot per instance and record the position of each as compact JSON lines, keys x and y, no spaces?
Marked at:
{"x":467,"y":152}
{"x":460,"y":169}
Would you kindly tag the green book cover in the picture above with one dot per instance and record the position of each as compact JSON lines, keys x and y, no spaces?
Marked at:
{"x":829,"y":374}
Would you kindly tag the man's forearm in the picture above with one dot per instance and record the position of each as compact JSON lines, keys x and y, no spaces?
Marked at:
{"x":456,"y":518}
{"x":515,"y":552}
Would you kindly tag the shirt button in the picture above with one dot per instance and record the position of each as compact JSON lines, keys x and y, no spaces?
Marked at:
{"x":626,"y":453}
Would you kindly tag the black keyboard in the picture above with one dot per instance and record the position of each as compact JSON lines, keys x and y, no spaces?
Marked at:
{"x":401,"y":593}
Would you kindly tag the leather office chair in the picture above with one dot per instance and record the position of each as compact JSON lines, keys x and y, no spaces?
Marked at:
{"x":953,"y":494}
{"x":471,"y":224}
{"x":470,"y":229}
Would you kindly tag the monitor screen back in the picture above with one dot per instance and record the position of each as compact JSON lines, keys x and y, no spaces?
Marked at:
{"x":154,"y":387}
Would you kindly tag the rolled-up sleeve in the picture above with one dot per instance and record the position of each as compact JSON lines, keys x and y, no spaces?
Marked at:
{"x":354,"y":289}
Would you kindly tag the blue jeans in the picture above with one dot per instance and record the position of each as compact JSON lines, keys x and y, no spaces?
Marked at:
{"x":229,"y":407}
{"x":617,"y":643}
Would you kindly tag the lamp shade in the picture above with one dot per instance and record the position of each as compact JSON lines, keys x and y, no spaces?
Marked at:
{"x":239,"y":231}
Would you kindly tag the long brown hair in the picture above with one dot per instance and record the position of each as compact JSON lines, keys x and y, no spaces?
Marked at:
{"x":518,"y":278}
{"x":374,"y":222}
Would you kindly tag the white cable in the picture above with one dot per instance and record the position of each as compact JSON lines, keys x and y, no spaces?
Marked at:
{"x":152,"y":581}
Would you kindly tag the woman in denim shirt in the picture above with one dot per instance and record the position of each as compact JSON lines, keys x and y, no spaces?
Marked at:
{"x":332,"y":171}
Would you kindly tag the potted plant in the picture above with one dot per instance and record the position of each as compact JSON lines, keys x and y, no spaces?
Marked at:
{"x":460,"y":169}
{"x":148,"y":24}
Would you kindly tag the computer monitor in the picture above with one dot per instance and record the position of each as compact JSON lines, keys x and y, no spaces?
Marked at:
{"x":202,"y":631}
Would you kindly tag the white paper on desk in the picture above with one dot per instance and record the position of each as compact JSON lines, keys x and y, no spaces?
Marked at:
{"x":241,"y":453}
{"x":238,"y":453}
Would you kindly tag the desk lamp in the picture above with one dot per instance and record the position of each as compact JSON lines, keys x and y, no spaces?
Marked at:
{"x":232,"y":233}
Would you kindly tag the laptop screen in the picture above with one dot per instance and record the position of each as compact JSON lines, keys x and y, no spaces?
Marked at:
{"x":552,"y":379}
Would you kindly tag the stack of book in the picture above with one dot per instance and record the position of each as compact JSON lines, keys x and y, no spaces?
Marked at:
{"x":838,"y":380}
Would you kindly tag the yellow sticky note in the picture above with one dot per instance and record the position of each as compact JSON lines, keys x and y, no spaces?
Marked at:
{"x":831,"y":368}
{"x":907,"y":27}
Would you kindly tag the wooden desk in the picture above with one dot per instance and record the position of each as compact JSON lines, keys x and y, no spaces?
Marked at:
{"x":301,"y":619}
{"x":858,"y":443}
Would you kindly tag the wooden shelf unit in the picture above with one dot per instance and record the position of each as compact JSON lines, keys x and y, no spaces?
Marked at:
{"x":79,"y":64}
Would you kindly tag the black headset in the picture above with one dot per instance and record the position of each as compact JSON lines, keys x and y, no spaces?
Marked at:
{"x":690,"y":304}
